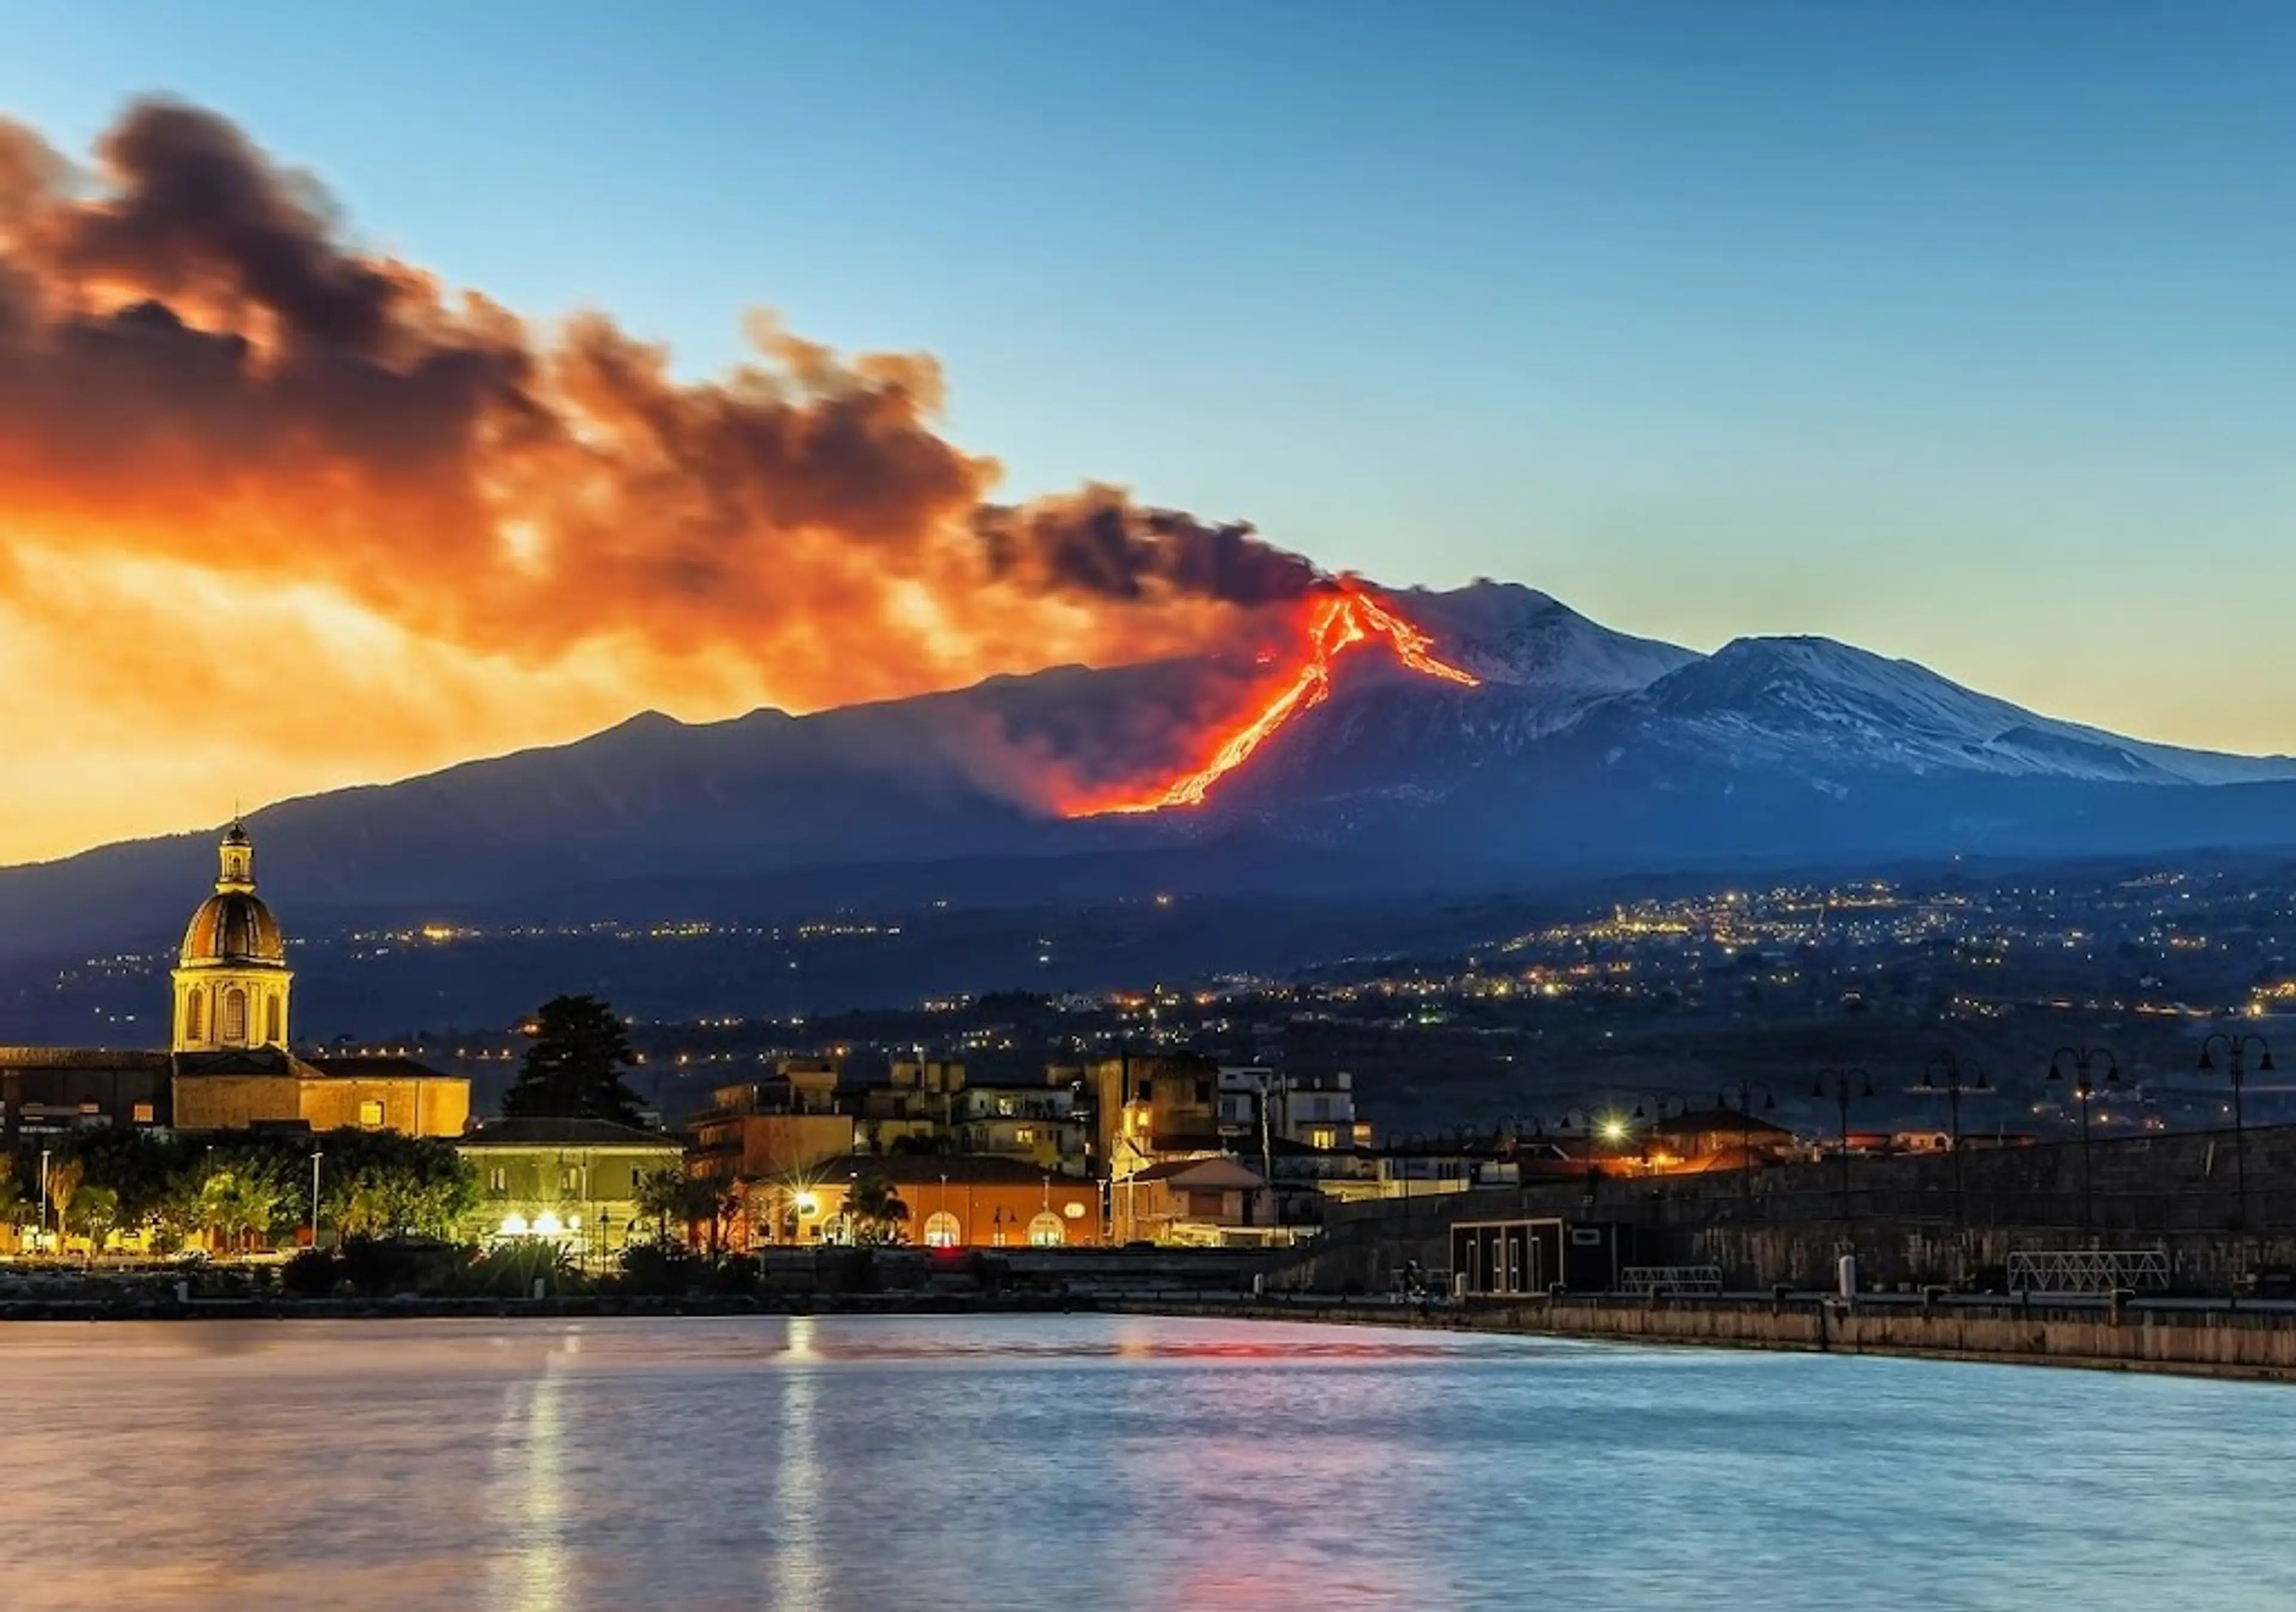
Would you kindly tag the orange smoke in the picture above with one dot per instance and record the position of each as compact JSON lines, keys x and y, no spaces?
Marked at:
{"x":1335,"y":623}
{"x":454,"y":516}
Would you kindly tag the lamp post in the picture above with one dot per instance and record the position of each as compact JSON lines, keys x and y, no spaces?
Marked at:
{"x":2235,"y":1047}
{"x":1842,"y":1085}
{"x":1954,"y":1074}
{"x":2080,"y":1060}
{"x":315,"y":1156}
{"x":1745,"y":1090}
{"x":44,"y":1196}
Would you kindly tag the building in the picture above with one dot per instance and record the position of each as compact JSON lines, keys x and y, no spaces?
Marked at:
{"x":1314,"y":1110}
{"x":232,"y":979}
{"x":954,"y":1201}
{"x":769,"y":1128}
{"x":579,"y":1183}
{"x":1038,"y":1124}
{"x":1145,"y":1110}
{"x":1715,"y":1139}
{"x":229,"y":1063}
{"x":272,"y":1088}
{"x":1206,"y":1200}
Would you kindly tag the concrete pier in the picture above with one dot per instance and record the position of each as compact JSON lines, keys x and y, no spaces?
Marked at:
{"x":2255,"y":1341}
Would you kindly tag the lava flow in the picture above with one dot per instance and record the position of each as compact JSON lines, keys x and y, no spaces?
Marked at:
{"x":1336,"y":623}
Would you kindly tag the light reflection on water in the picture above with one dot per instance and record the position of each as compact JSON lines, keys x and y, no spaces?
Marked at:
{"x":848,"y":1465}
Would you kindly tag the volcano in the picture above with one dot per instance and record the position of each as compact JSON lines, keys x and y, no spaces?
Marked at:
{"x":1335,"y":623}
{"x":1480,"y":739}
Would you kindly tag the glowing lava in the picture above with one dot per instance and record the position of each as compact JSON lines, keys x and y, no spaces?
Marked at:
{"x":1337,"y":622}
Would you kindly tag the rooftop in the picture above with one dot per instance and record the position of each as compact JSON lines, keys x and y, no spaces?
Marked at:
{"x":564,"y":1133}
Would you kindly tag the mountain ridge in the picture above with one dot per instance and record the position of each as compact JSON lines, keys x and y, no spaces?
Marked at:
{"x":1581,"y":745}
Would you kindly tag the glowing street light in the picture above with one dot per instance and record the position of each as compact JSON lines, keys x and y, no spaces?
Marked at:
{"x":1955,"y":1075}
{"x":2079,"y":1060}
{"x":2235,"y":1049}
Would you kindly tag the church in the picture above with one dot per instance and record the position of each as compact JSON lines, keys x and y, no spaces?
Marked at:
{"x":230,"y":1064}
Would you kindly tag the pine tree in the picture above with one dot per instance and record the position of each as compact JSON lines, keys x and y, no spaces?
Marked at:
{"x":573,"y":1071}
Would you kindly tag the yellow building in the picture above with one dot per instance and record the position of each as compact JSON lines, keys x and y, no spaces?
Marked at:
{"x":229,"y":1066}
{"x":231,"y":978}
{"x":579,"y":1183}
{"x":270,"y":1087}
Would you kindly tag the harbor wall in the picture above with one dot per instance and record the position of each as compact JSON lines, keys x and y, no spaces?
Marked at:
{"x":2233,"y":1341}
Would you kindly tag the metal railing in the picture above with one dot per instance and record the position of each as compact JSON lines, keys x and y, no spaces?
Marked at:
{"x":1645,"y":1281}
{"x":2089,"y":1271}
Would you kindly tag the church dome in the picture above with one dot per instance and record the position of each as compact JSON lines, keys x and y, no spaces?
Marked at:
{"x":232,"y":926}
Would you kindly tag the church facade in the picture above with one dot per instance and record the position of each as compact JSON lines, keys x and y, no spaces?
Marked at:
{"x":230,"y":1064}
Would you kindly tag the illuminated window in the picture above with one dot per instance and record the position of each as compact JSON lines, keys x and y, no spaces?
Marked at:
{"x":941,"y":1231}
{"x":1324,"y":1137}
{"x":231,"y":1023}
{"x":195,"y":1015}
{"x":569,"y":1178}
{"x":1024,"y":1137}
{"x":275,"y":1028}
{"x":498,"y":1181}
{"x":142,"y":1113}
{"x":1047,"y":1231}
{"x":370,"y":1114}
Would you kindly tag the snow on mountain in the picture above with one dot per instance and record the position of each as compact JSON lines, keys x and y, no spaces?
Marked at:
{"x":1816,"y":703}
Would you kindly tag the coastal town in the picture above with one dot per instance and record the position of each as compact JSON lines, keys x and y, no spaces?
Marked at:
{"x":235,"y":1143}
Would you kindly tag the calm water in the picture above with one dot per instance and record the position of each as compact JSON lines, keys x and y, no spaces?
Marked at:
{"x":1105,"y":1464}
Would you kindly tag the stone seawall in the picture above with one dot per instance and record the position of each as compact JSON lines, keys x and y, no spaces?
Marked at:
{"x":2249,"y":1342}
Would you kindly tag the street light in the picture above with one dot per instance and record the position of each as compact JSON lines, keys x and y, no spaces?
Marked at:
{"x":1955,"y":1075}
{"x":2080,"y":1060}
{"x":1745,"y":1090}
{"x":2235,"y":1049}
{"x":1841,"y":1084}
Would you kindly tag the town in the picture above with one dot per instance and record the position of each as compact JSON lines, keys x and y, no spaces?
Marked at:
{"x":1726,"y":1035}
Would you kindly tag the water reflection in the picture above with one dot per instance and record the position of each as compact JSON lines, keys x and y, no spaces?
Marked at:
{"x":529,"y":1496}
{"x":848,"y":1465}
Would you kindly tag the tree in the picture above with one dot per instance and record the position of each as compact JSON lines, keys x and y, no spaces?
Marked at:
{"x":573,"y":1071}
{"x":99,"y":1215}
{"x":674,"y":1198}
{"x":876,"y":1210}
{"x":64,"y":1176}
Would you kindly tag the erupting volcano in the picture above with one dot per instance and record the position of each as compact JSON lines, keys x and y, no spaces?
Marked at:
{"x":1336,"y":622}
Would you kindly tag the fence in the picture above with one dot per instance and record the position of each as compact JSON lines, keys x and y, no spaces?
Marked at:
{"x":1644,"y":1281}
{"x":2088,"y":1271}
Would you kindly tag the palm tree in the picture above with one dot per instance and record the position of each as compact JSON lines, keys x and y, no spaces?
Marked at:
{"x":874,"y":1206}
{"x":64,"y":1177}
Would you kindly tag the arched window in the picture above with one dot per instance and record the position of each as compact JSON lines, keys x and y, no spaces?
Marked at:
{"x":941,"y":1231}
{"x":1047,"y":1231}
{"x":231,"y":1022}
{"x":195,"y":1015}
{"x":274,"y":1028}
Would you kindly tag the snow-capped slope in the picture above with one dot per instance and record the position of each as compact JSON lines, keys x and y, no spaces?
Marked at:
{"x":1812,"y":704}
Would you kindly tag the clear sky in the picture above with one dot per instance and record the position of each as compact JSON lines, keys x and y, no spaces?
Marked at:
{"x":1961,"y":332}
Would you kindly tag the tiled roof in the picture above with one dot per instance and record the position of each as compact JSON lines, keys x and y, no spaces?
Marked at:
{"x":564,"y":1133}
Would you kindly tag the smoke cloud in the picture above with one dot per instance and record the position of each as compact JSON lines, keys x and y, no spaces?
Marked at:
{"x":210,"y":396}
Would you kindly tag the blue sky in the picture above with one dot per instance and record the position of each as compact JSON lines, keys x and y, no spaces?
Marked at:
{"x":1963,"y":332}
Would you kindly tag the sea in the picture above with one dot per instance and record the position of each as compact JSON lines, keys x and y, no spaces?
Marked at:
{"x":1105,"y":1462}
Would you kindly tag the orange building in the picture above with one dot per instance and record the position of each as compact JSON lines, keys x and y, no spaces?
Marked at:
{"x":955,"y":1200}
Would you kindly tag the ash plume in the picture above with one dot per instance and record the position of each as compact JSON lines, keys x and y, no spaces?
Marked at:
{"x":202,"y":372}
